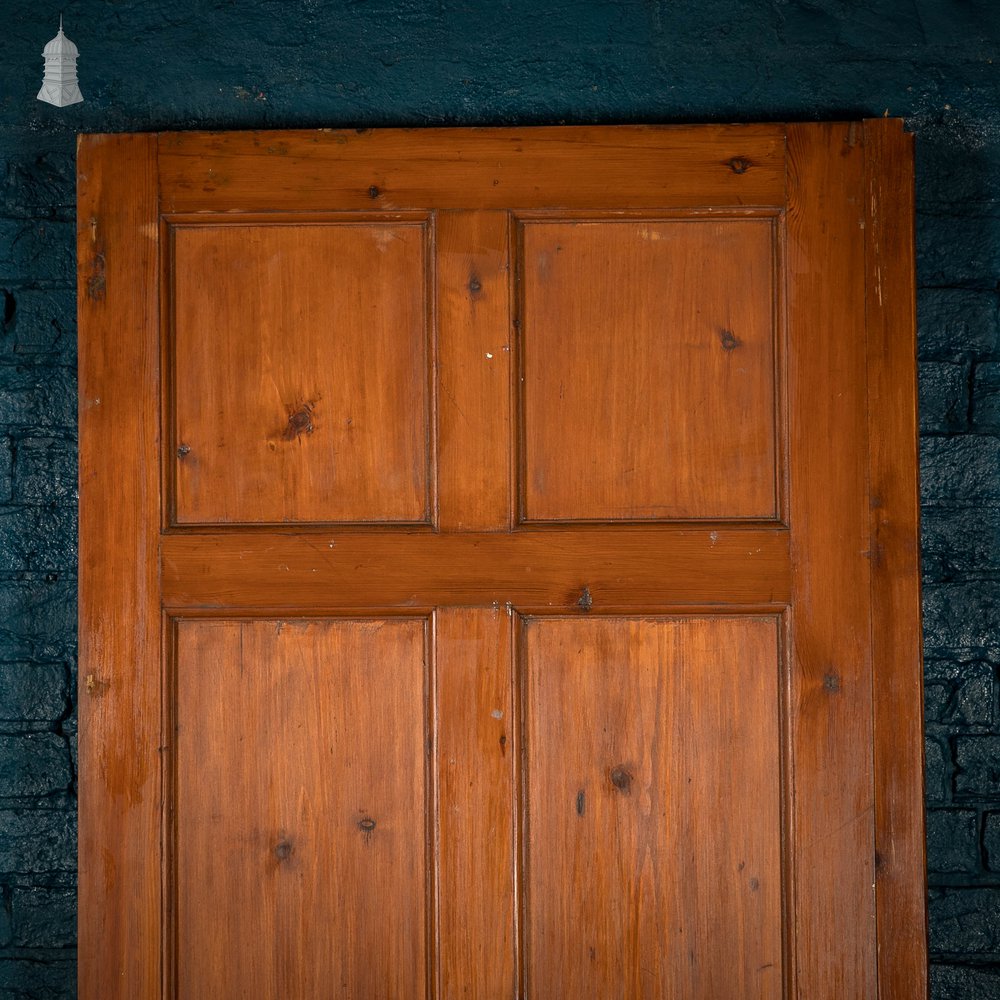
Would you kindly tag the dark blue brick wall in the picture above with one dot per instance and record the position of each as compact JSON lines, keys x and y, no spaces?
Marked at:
{"x":175,"y":64}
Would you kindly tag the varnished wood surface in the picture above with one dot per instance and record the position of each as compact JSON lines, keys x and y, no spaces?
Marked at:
{"x":477,"y":751}
{"x":119,"y":611}
{"x":647,"y":369}
{"x":800,"y":581}
{"x":472,"y":256}
{"x":301,"y":840}
{"x":300,"y":371}
{"x":900,"y":891}
{"x":652,"y":793}
{"x":833,"y":854}
{"x":630,"y":567}
{"x":622,"y":167}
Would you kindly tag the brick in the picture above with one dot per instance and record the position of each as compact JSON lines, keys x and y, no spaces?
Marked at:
{"x":991,"y":841}
{"x":45,"y":470}
{"x":953,"y":324}
{"x":964,"y":921}
{"x":32,"y":692}
{"x":40,"y":185}
{"x":986,"y":397}
{"x":962,"y":619}
{"x":35,"y":396}
{"x":37,"y":618}
{"x":35,"y":841}
{"x":6,"y":917}
{"x":959,"y":693}
{"x":6,"y":470}
{"x":972,"y":702}
{"x":44,"y":917}
{"x":952,"y":840}
{"x":960,"y":470}
{"x":977,"y":767}
{"x":38,"y":979}
{"x":34,"y":250}
{"x":69,"y":730}
{"x":34,"y":764}
{"x":952,"y":252}
{"x":958,"y":982}
{"x":944,"y":397}
{"x":960,"y":541}
{"x":40,"y":539}
{"x":936,"y":698}
{"x":936,"y":770}
{"x":942,"y":190}
{"x":37,"y":325}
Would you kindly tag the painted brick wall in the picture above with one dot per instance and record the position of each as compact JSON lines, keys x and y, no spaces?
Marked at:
{"x":281,"y":63}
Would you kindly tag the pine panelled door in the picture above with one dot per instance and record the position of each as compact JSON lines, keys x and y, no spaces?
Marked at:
{"x":499,"y":569}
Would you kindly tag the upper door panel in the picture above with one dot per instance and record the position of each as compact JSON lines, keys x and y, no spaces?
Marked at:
{"x":647,"y":359}
{"x":299,"y":363}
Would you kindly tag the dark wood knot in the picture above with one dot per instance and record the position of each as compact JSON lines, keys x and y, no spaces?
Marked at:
{"x":729,"y":340}
{"x":299,"y":422}
{"x":621,"y":778}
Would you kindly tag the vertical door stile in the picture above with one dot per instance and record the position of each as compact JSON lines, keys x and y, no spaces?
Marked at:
{"x":900,"y":857}
{"x":831,"y":661}
{"x":119,"y":611}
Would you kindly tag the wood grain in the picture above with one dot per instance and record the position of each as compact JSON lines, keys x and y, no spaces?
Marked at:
{"x":474,"y":370}
{"x":647,"y":364}
{"x":653,"y":805}
{"x":477,"y":749}
{"x":337,"y":294}
{"x":524,"y":168}
{"x":900,"y":869}
{"x":301,"y":809}
{"x":119,"y":669}
{"x":831,"y":679}
{"x":619,"y":567}
{"x":300,"y":373}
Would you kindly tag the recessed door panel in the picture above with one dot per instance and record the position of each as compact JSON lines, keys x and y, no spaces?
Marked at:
{"x":299,"y":369}
{"x":648,"y":352}
{"x":300,"y":847}
{"x":652,"y":791}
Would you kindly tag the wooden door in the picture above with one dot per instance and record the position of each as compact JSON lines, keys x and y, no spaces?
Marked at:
{"x":499,"y":565}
